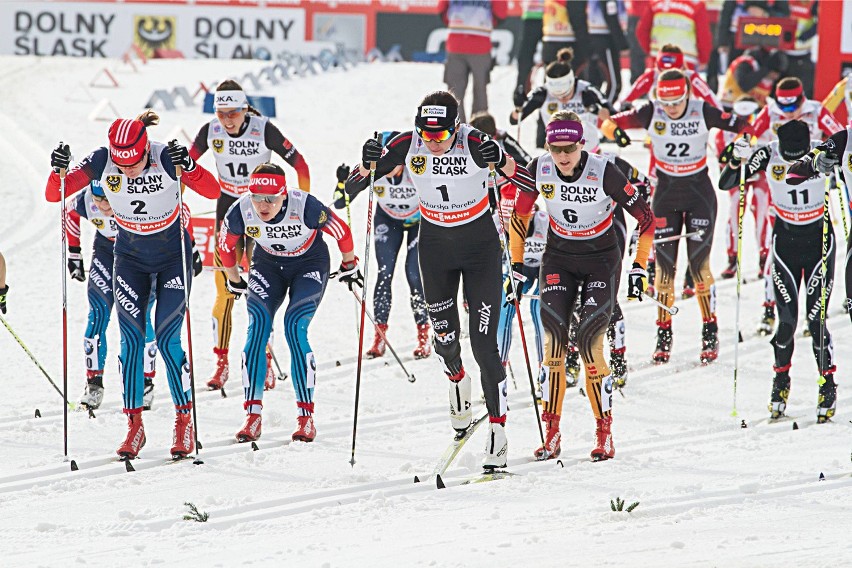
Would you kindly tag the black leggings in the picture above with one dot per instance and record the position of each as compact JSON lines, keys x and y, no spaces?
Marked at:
{"x":470,"y":253}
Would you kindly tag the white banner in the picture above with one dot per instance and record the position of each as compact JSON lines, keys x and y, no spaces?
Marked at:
{"x":107,"y":30}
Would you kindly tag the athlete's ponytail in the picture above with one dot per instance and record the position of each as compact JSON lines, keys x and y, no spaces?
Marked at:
{"x":562,"y":65}
{"x":565,"y":115}
{"x":231,"y":85}
{"x":149,"y":118}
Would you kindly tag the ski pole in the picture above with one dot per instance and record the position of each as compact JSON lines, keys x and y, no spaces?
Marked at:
{"x":409,"y":376}
{"x":698,"y":233}
{"x":70,"y":405}
{"x":826,"y":227}
{"x":363,"y":303}
{"x":740,"y":214}
{"x":492,"y":182}
{"x":282,"y":375}
{"x":512,"y":374}
{"x":843,"y":211}
{"x":184,"y":223}
{"x":64,"y":313}
{"x":349,"y":222}
{"x":672,"y":310}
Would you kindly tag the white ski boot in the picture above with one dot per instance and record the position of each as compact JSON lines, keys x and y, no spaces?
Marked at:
{"x":460,"y":412}
{"x":148,"y":394}
{"x":496,"y":448}
{"x":92,"y":397}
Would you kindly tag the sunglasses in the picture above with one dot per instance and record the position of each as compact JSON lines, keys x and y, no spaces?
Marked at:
{"x":435,"y":135}
{"x":674,"y":102}
{"x":562,"y":149}
{"x":229,"y":114}
{"x":789,"y":107}
{"x":264,"y":198}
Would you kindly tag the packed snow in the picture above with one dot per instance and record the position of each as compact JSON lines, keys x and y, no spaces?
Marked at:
{"x":710,"y":492}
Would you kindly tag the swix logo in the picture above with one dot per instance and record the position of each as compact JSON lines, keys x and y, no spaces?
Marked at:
{"x":484,"y":317}
{"x":552,"y":279}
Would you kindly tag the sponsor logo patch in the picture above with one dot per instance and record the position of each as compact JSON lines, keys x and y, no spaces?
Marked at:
{"x":113,"y":183}
{"x":418,"y":165}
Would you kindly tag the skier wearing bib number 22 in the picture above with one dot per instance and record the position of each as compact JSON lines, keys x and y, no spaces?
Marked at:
{"x":448,"y":163}
{"x":679,"y":127}
{"x":142,"y":180}
{"x":241,"y":140}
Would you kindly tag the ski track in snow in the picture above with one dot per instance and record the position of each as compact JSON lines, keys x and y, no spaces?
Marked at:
{"x":710,"y":493}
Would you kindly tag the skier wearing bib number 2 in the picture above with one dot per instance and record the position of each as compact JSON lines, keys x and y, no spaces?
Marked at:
{"x":290,"y":259}
{"x":241,"y":140}
{"x":448,"y":163}
{"x":580,"y":192}
{"x":142,"y":181}
{"x":679,"y":127}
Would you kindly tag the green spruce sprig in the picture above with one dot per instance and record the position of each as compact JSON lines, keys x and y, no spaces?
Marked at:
{"x":618,"y":505}
{"x":194,"y":514}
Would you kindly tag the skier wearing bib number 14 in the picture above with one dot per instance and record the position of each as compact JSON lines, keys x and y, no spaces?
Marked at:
{"x":448,"y":163}
{"x":142,"y":180}
{"x":241,"y":140}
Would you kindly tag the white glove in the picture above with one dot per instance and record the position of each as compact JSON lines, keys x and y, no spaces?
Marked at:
{"x":742,"y":149}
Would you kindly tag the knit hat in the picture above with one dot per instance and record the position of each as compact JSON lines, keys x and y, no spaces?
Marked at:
{"x":128,"y":141}
{"x":794,"y":140}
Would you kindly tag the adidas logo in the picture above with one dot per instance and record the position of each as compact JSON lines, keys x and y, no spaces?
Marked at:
{"x":591,"y":301}
{"x":175,"y":283}
{"x":314,"y":276}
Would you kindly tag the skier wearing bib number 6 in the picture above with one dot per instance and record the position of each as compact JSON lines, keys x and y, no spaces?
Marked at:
{"x":241,"y":140}
{"x":679,"y":127}
{"x":448,"y":163}
{"x":580,"y":193}
{"x":144,"y":191}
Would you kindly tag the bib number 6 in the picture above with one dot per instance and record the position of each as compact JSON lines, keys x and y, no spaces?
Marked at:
{"x":570,"y":215}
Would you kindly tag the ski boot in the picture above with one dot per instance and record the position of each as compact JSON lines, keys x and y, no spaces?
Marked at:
{"x":220,"y":375}
{"x":269,"y":381}
{"x":664,"y":342}
{"x":183,"y":439}
{"x":250,"y":430}
{"x":827,"y":401}
{"x":780,"y":393}
{"x":378,"y":348}
{"x":460,"y":412}
{"x":604,"y":449}
{"x":761,"y":262}
{"x":552,"y":447}
{"x":424,"y":348}
{"x":731,"y":270}
{"x":572,"y":366}
{"x":767,"y":321}
{"x":709,"y":341}
{"x":618,"y":366}
{"x":306,"y":432}
{"x":688,"y":286}
{"x":497,"y":447}
{"x":148,"y":393}
{"x":135,"y":439}
{"x":93,"y":396}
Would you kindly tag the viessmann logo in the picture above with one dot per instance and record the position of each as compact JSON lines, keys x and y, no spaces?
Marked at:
{"x":154,"y":32}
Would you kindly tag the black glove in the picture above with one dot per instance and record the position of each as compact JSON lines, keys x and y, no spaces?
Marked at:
{"x":825,"y":162}
{"x":3,"y":291}
{"x":180,"y":156}
{"x":519,"y":97}
{"x":75,"y":264}
{"x":637,"y":282}
{"x":590,"y":101}
{"x":778,"y":62}
{"x":621,"y":137}
{"x":727,"y":154}
{"x":60,"y":158}
{"x":197,"y":265}
{"x":342,"y":173}
{"x":236,"y":288}
{"x":350,"y":274}
{"x":513,"y":286}
{"x":371,"y":151}
{"x":492,"y":153}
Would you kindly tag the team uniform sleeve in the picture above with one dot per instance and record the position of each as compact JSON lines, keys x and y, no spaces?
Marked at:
{"x":827,"y":123}
{"x":803,"y":169}
{"x":199,"y":179}
{"x":199,"y":145}
{"x":639,"y":117}
{"x":641,"y":87}
{"x":749,"y":73}
{"x":702,"y":90}
{"x":514,"y":149}
{"x":639,"y":180}
{"x":757,"y":162}
{"x":318,"y":216}
{"x":230,"y":231}
{"x":78,"y":177}
{"x":616,"y":185}
{"x":278,"y":143}
{"x":523,"y":210}
{"x":715,"y":118}
{"x":393,"y":156}
{"x":74,"y":209}
{"x":534,"y":101}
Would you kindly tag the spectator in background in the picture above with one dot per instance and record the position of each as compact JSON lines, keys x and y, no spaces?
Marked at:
{"x":683,"y":23}
{"x":801,"y":64}
{"x":531,"y":14}
{"x":469,"y":47}
{"x":606,"y":42}
{"x":637,"y":55}
{"x":564,"y":24}
{"x":754,"y":73}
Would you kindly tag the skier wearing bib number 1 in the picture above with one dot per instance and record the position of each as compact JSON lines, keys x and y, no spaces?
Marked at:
{"x":142,"y":180}
{"x":241,"y":140}
{"x":679,"y":128}
{"x":448,"y":163}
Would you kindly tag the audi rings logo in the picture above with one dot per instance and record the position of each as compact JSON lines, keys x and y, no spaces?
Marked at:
{"x":596,"y":284}
{"x":700,"y":222}
{"x":418,"y":165}
{"x":218,"y":145}
{"x":547,"y":190}
{"x":659,"y":127}
{"x":778,"y":172}
{"x":113,"y":183}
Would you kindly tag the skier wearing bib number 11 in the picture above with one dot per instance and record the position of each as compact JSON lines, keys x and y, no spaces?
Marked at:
{"x":448,"y":163}
{"x":142,"y":180}
{"x":241,"y":140}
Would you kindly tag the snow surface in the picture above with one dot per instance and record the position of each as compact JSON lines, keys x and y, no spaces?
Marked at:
{"x":711,"y":493}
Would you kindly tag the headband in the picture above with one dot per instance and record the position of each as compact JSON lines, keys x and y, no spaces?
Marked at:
{"x":560,"y":85}
{"x":570,"y":131}
{"x":746,"y":108}
{"x":669,"y":60}
{"x":671,"y":88}
{"x":230,"y":99}
{"x":268,"y":184}
{"x":436,"y":117}
{"x":788,"y":96}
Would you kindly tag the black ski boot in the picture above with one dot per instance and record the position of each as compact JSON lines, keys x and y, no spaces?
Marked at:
{"x":827,"y":400}
{"x":780,"y":393}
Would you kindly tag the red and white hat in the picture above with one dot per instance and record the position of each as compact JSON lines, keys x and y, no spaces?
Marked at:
{"x":128,"y":141}
{"x":268,"y":184}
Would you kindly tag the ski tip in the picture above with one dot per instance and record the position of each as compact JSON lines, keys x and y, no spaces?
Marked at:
{"x":416,"y":479}
{"x":128,"y":466}
{"x":224,"y":394}
{"x":198,"y":444}
{"x":37,"y":413}
{"x":741,"y":340}
{"x":560,"y":463}
{"x":254,"y":447}
{"x":197,"y":461}
{"x":74,"y":466}
{"x":743,"y":424}
{"x":337,"y":363}
{"x":440,"y":482}
{"x":91,"y":413}
{"x":795,"y":425}
{"x":411,"y":378}
{"x":821,"y":476}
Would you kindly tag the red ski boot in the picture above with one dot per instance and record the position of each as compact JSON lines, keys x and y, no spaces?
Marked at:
{"x":709,"y":341}
{"x":378,"y":348}
{"x":664,"y":342}
{"x":551,"y":448}
{"x":183,"y":439}
{"x":424,"y":349}
{"x":269,"y":383}
{"x":306,"y":431}
{"x":604,"y":449}
{"x":251,"y":429}
{"x":220,"y":375}
{"x":135,"y":439}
